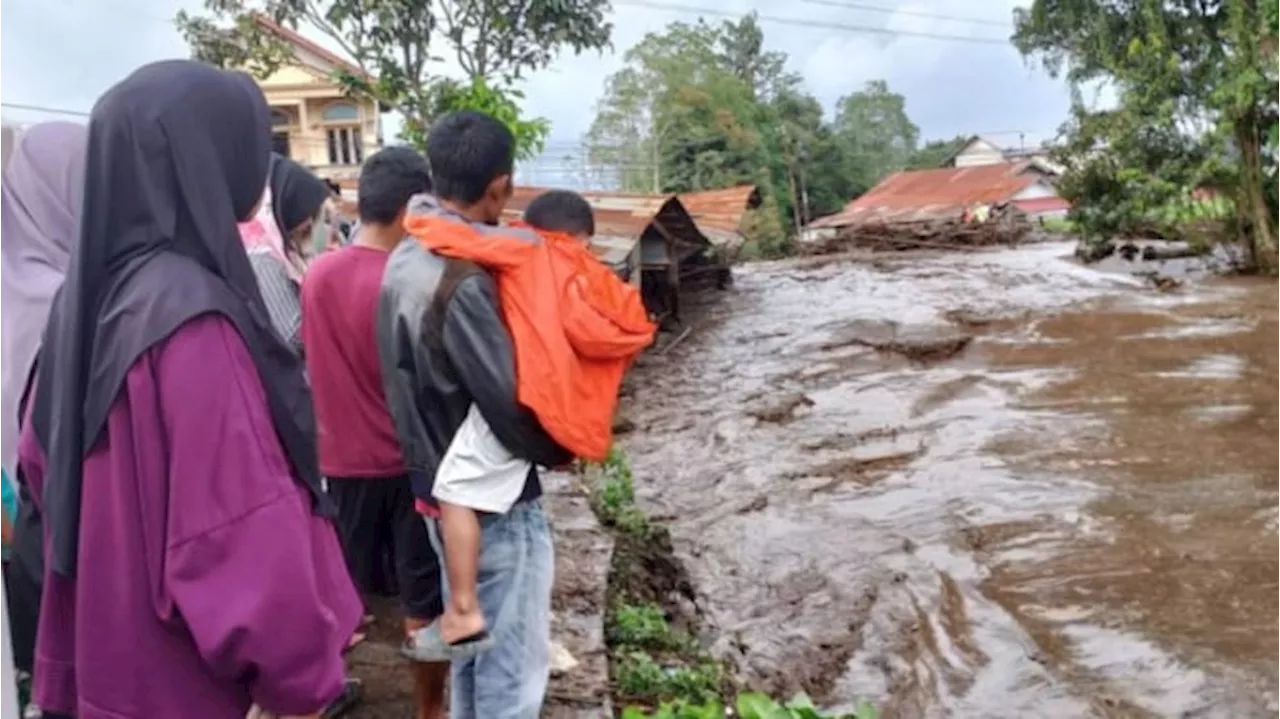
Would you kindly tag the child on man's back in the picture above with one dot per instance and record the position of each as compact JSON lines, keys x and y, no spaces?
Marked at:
{"x":606,"y":327}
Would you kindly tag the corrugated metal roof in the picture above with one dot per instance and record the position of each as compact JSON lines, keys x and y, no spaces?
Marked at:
{"x":720,"y":209}
{"x":913,"y":195}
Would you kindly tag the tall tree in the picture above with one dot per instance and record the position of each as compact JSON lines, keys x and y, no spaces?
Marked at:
{"x":698,"y":106}
{"x":933,"y":153}
{"x":674,"y":118}
{"x":1196,"y":83}
{"x":391,"y":41}
{"x":879,"y":135}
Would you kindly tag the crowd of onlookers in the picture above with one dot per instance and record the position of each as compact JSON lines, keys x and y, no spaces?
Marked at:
{"x":230,"y":418}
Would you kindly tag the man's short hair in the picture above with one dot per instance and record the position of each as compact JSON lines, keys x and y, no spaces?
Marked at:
{"x":388,"y":179}
{"x":561,"y":211}
{"x":467,"y":151}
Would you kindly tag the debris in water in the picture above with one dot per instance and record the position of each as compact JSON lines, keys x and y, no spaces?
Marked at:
{"x":782,"y":409}
{"x":1005,"y":225}
{"x":921,"y":344}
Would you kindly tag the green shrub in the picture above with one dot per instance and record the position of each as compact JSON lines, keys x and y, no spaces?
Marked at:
{"x":749,"y":706}
{"x":642,"y":678}
{"x":613,"y":497}
{"x":645,"y":626}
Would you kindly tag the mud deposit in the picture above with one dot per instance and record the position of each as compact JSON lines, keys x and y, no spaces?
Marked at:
{"x":995,"y":484}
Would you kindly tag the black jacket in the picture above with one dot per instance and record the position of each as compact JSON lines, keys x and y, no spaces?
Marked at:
{"x":443,"y":346}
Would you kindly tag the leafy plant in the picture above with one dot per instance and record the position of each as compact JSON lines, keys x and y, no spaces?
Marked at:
{"x":641,"y":677}
{"x":613,"y":496}
{"x":750,"y":705}
{"x":644,"y":626}
{"x":395,"y":45}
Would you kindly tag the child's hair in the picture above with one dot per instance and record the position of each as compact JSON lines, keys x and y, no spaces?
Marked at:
{"x":561,"y":211}
{"x":468,"y":150}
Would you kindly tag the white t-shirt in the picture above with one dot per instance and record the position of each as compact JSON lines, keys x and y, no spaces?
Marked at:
{"x":477,"y":470}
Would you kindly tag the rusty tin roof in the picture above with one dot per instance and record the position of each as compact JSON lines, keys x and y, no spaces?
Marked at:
{"x":914,"y":195}
{"x":711,"y":215}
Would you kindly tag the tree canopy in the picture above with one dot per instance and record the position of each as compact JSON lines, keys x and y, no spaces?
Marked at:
{"x":1195,"y":83}
{"x":400,"y":45}
{"x":700,"y":106}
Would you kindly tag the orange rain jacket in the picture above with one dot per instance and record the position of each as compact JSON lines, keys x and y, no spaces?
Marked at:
{"x":575,"y":325}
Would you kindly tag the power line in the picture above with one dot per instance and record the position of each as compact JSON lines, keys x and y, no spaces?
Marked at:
{"x":911,"y":13}
{"x":819,"y":24}
{"x":42,"y":108}
{"x":793,"y":21}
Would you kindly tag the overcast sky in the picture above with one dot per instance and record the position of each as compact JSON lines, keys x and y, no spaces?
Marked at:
{"x":64,"y":53}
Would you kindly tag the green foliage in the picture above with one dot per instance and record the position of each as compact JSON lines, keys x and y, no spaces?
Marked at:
{"x":479,"y":95}
{"x":700,"y":106}
{"x":934,"y":152}
{"x":640,"y":677}
{"x":645,"y":626}
{"x":1196,"y":85}
{"x":750,"y":706}
{"x":393,"y":44}
{"x":877,"y":132}
{"x":613,"y":496}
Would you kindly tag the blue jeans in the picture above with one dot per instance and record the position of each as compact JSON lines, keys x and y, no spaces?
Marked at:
{"x":516,"y":570}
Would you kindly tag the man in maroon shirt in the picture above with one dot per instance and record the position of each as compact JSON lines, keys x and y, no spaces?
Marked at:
{"x":386,"y":544}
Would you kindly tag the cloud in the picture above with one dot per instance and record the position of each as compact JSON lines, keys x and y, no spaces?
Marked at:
{"x":64,"y":53}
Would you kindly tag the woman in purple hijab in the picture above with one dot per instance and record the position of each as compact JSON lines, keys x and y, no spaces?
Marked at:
{"x":41,"y":199}
{"x":192,"y":570}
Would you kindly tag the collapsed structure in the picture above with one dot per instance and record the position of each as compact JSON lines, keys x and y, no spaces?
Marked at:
{"x":949,"y":206}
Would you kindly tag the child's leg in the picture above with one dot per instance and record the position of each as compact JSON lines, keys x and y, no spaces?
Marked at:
{"x":462,"y":618}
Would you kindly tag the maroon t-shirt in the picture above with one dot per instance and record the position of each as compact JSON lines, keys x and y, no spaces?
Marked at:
{"x":339,"y":332}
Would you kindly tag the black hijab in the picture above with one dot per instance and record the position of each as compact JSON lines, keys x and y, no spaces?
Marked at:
{"x":177,"y":152}
{"x":296,"y":194}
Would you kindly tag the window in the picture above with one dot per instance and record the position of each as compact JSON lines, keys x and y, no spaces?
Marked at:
{"x":341,"y":112}
{"x":280,"y":120}
{"x":346,"y":141}
{"x":345,"y":146}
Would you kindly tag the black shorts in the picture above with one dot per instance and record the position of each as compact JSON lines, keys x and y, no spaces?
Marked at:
{"x":386,"y":544}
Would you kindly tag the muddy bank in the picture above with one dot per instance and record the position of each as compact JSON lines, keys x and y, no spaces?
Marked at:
{"x":996,"y":484}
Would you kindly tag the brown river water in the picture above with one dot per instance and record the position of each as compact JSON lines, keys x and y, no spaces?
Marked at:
{"x":992,"y":484}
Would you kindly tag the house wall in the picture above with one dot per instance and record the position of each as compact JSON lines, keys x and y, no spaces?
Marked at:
{"x":307,"y":106}
{"x":1035,"y":191}
{"x":816,"y":234}
{"x":979,"y":152}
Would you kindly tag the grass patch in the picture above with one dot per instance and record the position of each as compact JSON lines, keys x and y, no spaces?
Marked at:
{"x":658,"y":667}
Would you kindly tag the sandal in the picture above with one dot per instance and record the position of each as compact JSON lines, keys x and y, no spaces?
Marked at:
{"x":427,"y":645}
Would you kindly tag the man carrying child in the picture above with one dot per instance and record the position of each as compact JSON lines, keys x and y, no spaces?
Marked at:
{"x":471,"y":396}
{"x":444,"y":347}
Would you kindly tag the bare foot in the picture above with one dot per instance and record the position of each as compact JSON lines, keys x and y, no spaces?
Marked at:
{"x":456,"y":626}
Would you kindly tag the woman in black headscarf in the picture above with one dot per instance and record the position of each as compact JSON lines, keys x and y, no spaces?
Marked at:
{"x":276,"y":240}
{"x":171,"y":447}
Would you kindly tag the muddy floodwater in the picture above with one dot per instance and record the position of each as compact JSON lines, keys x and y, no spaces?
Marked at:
{"x":992,"y":484}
